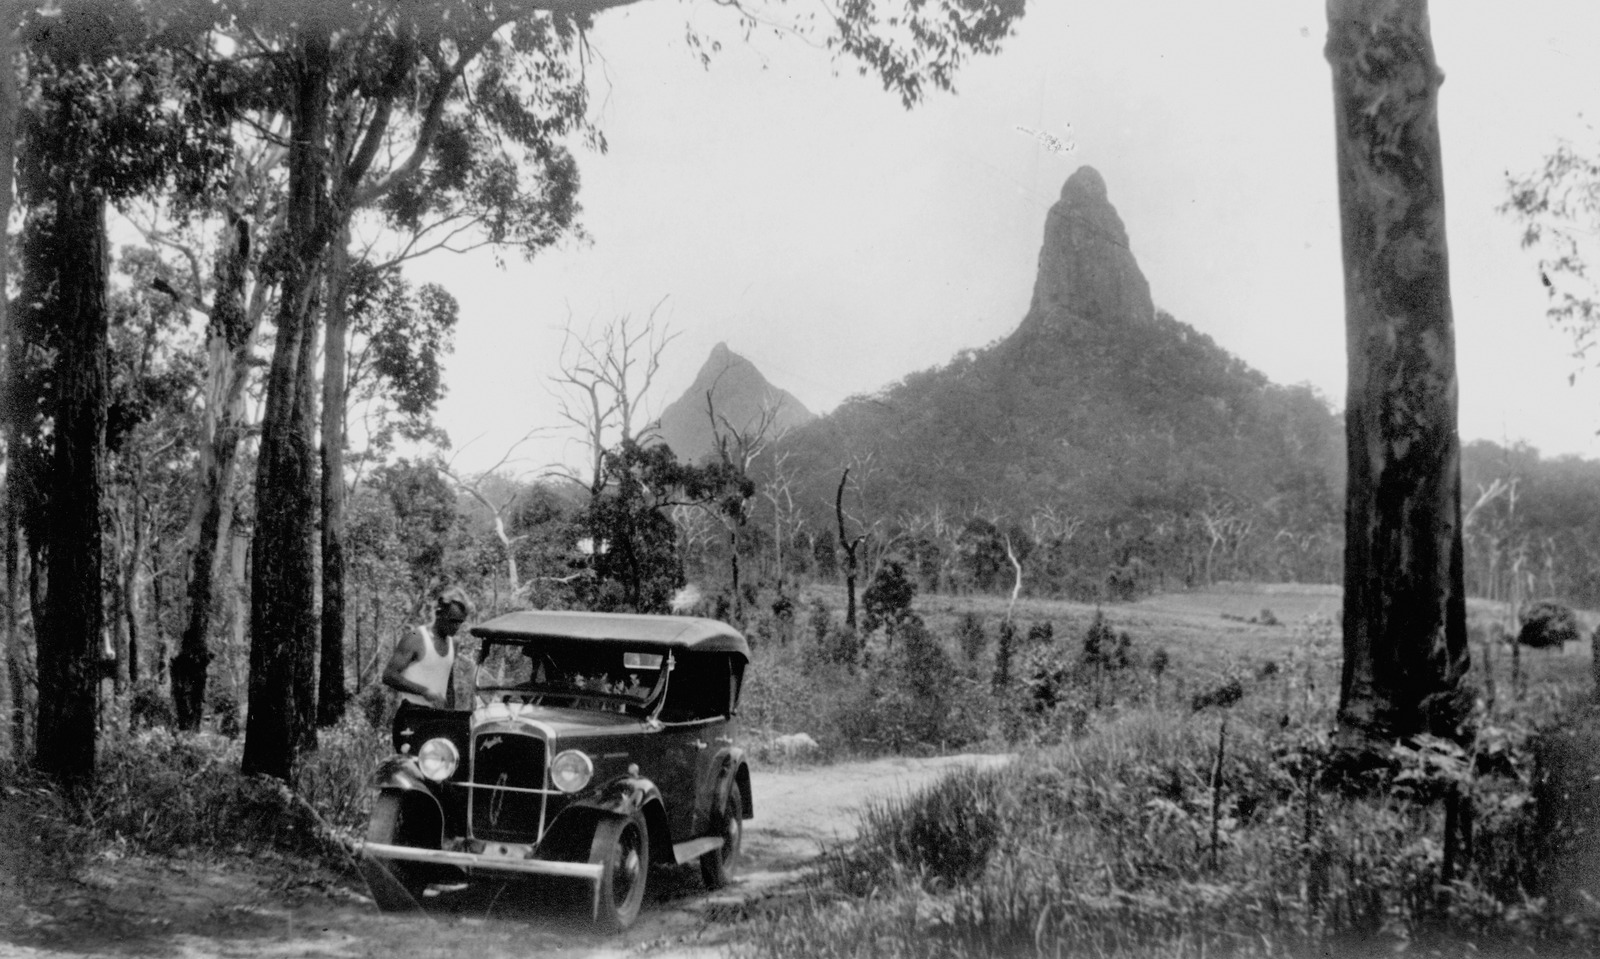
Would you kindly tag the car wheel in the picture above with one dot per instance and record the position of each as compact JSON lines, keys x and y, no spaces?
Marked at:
{"x":395,"y":886}
{"x":622,"y":847}
{"x":716,"y":867}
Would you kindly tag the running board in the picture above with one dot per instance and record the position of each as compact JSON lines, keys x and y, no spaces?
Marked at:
{"x":687,"y":852}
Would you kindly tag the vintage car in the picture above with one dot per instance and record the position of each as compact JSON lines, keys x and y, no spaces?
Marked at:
{"x":596,"y":746}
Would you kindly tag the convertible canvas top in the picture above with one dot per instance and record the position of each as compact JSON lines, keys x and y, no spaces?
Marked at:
{"x":678,"y":632}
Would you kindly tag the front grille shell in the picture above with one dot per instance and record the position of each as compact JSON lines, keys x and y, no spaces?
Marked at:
{"x":509,"y":783}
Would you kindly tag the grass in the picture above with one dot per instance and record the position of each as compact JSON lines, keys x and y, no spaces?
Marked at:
{"x":1132,"y":837}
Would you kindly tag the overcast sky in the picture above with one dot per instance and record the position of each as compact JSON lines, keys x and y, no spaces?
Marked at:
{"x":781,"y":204}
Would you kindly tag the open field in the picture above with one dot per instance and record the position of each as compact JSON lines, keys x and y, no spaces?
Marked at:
{"x":1240,"y":627}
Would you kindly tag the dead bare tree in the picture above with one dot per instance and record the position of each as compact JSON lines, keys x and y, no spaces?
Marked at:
{"x":849,"y":546}
{"x":600,"y":388}
{"x":737,"y":449}
{"x":787,"y":519}
{"x":1016,"y":587}
{"x":498,"y":509}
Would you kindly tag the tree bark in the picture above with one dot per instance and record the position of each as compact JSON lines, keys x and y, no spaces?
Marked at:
{"x":1405,"y":649}
{"x":69,"y":635}
{"x":229,"y":331}
{"x":9,"y":527}
{"x":283,"y":622}
{"x":330,"y":685}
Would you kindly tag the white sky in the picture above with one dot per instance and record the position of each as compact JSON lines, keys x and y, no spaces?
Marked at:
{"x":840,"y":242}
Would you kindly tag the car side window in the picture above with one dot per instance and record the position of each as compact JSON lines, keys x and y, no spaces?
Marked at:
{"x":698,"y":689}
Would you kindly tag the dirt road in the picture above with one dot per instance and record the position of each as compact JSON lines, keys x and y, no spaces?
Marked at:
{"x":255,"y":909}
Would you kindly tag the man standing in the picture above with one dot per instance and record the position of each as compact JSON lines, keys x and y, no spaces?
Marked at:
{"x":423,"y":663}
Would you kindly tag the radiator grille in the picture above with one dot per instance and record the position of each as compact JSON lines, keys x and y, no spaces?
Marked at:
{"x":502,"y":760}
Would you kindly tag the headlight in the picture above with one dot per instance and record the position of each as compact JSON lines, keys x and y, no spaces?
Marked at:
{"x":438,"y":759}
{"x":571,"y":771}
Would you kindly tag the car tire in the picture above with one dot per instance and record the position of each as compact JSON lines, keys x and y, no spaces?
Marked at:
{"x":394,"y":885}
{"x":622,"y":847}
{"x":716,"y":867}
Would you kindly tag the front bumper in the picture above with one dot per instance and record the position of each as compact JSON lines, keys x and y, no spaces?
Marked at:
{"x":474,"y":862}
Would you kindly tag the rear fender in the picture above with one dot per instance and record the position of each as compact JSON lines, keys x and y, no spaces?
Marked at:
{"x":734,"y":769}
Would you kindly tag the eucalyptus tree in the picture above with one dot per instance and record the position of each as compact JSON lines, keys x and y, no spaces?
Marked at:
{"x":109,"y":114}
{"x":1405,"y":635}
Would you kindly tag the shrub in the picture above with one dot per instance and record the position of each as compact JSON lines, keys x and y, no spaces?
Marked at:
{"x":783,"y":607}
{"x":1002,"y":656}
{"x":840,"y":645}
{"x":1103,"y":647}
{"x":168,"y":791}
{"x":887,"y":599}
{"x":225,"y":714}
{"x":1223,"y":695}
{"x":150,"y":706}
{"x":820,"y":619}
{"x":971,"y":637}
{"x":1546,"y":624}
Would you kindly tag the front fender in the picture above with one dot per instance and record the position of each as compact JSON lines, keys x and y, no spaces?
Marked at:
{"x":622,"y":797}
{"x":567,"y":838}
{"x":403,"y":773}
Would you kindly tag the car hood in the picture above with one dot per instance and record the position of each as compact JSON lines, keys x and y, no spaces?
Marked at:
{"x":557,"y":720}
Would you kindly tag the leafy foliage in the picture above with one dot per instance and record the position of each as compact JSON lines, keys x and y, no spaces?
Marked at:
{"x":1559,"y":208}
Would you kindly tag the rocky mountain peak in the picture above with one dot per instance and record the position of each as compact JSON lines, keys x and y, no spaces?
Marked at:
{"x":741,"y":395}
{"x":1087,"y":273}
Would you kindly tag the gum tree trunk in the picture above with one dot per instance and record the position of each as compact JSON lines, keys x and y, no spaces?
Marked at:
{"x":281,"y":722}
{"x":69,"y":635}
{"x":228,"y":334}
{"x":330,"y":676}
{"x":1405,"y":649}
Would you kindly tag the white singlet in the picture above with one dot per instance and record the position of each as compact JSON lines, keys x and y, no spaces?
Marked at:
{"x":431,"y":671}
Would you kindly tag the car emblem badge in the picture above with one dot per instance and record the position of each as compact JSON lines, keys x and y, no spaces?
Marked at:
{"x":494,"y":804}
{"x":489,"y":743}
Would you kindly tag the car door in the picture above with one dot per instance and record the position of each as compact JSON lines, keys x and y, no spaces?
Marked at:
{"x":694,"y":738}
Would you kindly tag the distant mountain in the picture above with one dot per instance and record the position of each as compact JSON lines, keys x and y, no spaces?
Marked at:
{"x":1097,"y":406}
{"x":739,"y":394}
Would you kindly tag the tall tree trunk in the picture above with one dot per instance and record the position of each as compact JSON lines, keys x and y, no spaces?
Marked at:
{"x":10,"y":528}
{"x":283,"y":622}
{"x":130,"y":589}
{"x":69,"y":636}
{"x":229,"y":331}
{"x":1405,"y":638}
{"x":330,"y":685}
{"x":849,"y":546}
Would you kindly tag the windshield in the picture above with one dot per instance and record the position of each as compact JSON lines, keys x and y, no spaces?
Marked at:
{"x":581,"y":675}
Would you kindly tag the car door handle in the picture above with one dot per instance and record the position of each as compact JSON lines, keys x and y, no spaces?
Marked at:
{"x":699,"y":744}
